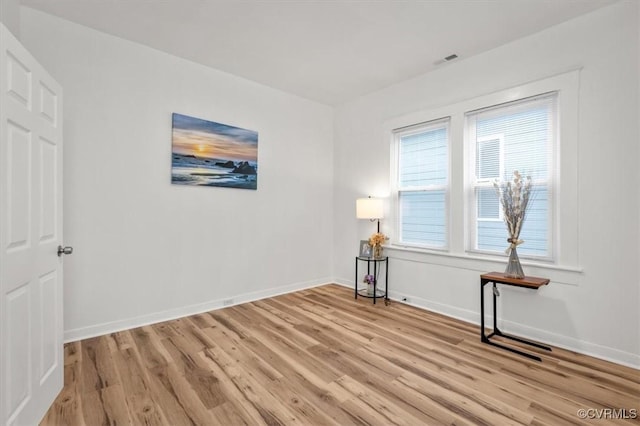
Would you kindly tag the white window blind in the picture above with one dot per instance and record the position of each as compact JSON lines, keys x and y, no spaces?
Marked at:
{"x":516,"y":136}
{"x":423,"y":183}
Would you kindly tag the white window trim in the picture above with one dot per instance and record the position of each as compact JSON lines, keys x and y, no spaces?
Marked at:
{"x":396,"y":190}
{"x":565,"y":249}
{"x":549,"y":184}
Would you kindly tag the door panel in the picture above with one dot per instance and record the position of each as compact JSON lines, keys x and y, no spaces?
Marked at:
{"x":19,"y":80}
{"x":48,"y":104}
{"x":18,"y":327}
{"x":31,"y":275}
{"x":48,"y":328}
{"x":47,"y":163}
{"x":18,"y":167}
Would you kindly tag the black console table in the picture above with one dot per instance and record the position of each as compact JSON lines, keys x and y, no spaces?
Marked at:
{"x":377,"y":267}
{"x":533,"y":283}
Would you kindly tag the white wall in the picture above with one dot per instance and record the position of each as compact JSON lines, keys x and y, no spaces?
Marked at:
{"x":146,"y":250}
{"x":594,"y":311}
{"x":10,"y":16}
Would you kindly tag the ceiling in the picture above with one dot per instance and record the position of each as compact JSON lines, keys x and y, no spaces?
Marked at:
{"x":329,"y":51}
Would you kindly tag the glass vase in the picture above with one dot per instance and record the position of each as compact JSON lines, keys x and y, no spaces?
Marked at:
{"x":377,"y":252}
{"x":514,"y":268}
{"x":370,"y":289}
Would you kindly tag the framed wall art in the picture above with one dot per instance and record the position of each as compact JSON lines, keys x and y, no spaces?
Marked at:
{"x":206,"y":153}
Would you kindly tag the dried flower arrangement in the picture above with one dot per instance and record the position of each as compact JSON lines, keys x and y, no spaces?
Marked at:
{"x":514,"y":197}
{"x":375,"y":241}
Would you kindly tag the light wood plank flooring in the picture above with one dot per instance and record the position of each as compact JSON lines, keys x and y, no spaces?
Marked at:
{"x":318,"y":357}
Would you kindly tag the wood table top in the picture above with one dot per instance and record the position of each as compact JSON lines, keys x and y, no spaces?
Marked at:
{"x":528,"y":282}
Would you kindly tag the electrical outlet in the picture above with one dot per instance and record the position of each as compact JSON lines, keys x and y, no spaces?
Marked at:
{"x":227,"y":302}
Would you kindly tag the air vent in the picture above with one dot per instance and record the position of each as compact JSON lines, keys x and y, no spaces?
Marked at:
{"x":446,"y":59}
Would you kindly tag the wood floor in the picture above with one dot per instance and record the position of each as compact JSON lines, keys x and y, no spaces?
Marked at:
{"x":318,"y":357}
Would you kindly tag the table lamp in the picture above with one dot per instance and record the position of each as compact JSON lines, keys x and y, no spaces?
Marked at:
{"x":370,"y":208}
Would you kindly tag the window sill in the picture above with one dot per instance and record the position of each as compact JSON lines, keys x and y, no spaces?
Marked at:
{"x":557,"y":273}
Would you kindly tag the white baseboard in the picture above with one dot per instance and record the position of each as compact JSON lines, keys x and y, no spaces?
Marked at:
{"x":565,"y":342}
{"x":126,"y":324}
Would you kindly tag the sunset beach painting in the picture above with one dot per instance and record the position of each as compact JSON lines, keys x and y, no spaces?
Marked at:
{"x":206,"y":153}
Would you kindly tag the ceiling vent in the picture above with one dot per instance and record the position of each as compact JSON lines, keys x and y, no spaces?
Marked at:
{"x":446,"y":59}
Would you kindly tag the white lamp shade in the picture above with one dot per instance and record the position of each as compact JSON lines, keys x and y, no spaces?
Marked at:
{"x":369,"y":208}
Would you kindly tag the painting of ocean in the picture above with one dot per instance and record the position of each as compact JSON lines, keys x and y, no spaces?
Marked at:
{"x":206,"y":153}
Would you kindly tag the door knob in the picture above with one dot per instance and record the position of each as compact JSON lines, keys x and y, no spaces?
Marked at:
{"x":64,"y":250}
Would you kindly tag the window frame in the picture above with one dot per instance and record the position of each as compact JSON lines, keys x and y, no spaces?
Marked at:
{"x":548,"y":183}
{"x":565,"y":260}
{"x":411,"y":130}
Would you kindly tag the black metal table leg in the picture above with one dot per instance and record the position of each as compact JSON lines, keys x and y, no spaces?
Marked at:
{"x":355,"y":282}
{"x":521,"y":340}
{"x":497,"y":332}
{"x":516,"y":351}
{"x":494,"y":290}
{"x":483,"y":337}
{"x":386,"y":282}
{"x":375,"y":282}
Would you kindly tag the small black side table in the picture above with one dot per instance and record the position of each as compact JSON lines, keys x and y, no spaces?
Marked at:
{"x":533,"y":283}
{"x":377,"y":267}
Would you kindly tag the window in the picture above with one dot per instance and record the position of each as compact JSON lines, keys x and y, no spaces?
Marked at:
{"x":516,"y":136}
{"x":422,"y":183}
{"x":444,"y":207}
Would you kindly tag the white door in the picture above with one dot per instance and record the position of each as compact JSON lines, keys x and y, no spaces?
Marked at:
{"x":31,"y":353}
